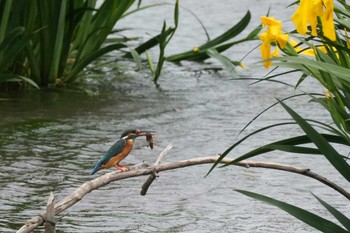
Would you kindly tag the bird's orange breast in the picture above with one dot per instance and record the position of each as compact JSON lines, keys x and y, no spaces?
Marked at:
{"x":119,"y":157}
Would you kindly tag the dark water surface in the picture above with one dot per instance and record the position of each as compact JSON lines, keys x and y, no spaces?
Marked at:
{"x":49,"y":141}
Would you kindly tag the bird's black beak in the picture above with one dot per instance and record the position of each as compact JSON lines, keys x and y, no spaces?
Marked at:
{"x":146,"y":132}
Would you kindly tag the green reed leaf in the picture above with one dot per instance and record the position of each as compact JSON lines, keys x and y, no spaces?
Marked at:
{"x":136,"y":58}
{"x":307,"y":217}
{"x":345,"y":221}
{"x":321,"y":143}
{"x":225,"y":61}
{"x":80,"y":65}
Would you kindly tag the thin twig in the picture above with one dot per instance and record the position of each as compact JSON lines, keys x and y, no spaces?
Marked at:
{"x":50,"y":215}
{"x":153,"y":176}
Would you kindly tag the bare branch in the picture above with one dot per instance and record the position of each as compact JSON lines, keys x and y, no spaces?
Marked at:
{"x":153,"y":176}
{"x":105,"y":179}
{"x":50,"y":215}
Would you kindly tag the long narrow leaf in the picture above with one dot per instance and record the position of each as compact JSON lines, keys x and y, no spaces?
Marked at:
{"x":266,"y":109}
{"x":229,"y":34}
{"x":154,"y":41}
{"x":223,"y":155}
{"x":345,"y":221}
{"x":294,"y":149}
{"x":150,"y":63}
{"x":285,"y":142}
{"x":5,"y":19}
{"x":225,"y":61}
{"x":284,"y":145}
{"x":16,"y":78}
{"x":322,"y":144}
{"x":339,"y":72}
{"x":307,"y":217}
{"x":56,"y":57}
{"x":136,"y":58}
{"x":216,"y":43}
{"x":93,"y":56}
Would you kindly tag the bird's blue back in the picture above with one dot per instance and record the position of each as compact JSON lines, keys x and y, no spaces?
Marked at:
{"x":115,"y":149}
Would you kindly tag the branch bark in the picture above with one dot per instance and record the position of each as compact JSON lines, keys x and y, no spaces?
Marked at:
{"x":50,"y":215}
{"x":153,"y":176}
{"x":103,"y":180}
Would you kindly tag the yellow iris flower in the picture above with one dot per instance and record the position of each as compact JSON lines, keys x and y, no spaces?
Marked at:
{"x":308,"y":12}
{"x":272,"y":34}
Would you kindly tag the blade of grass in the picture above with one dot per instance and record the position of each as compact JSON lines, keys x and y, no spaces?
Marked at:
{"x":56,"y":56}
{"x":223,"y":155}
{"x":321,"y":143}
{"x":225,"y":61}
{"x":91,"y":57}
{"x":273,"y":146}
{"x":229,"y":34}
{"x":345,"y":221}
{"x":5,"y":19}
{"x":266,"y":109}
{"x":215,"y":43}
{"x":154,"y":41}
{"x":150,"y":63}
{"x":282,"y":143}
{"x":16,"y":78}
{"x":136,"y":58}
{"x":307,"y":217}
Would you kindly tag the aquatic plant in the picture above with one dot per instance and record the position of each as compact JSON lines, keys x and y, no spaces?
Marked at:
{"x":210,"y":49}
{"x":50,"y":42}
{"x":329,"y":63}
{"x":163,"y":40}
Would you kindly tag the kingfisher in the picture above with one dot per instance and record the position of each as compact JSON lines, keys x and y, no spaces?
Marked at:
{"x":118,"y":151}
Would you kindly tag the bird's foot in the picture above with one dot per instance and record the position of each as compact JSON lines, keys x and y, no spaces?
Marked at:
{"x":121,"y":168}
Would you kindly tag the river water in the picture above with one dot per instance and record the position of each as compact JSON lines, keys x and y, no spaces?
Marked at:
{"x":50,"y":140}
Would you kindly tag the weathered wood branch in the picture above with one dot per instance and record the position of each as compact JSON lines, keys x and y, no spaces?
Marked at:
{"x":153,"y":176}
{"x":105,"y":179}
{"x":50,"y":215}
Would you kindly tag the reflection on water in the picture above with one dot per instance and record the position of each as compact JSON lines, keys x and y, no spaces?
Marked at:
{"x":49,"y":141}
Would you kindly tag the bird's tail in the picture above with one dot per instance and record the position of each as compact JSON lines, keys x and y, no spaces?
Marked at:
{"x":96,"y":168}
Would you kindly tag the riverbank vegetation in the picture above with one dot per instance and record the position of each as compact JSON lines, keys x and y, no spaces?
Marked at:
{"x":52,"y":43}
{"x":319,"y":49}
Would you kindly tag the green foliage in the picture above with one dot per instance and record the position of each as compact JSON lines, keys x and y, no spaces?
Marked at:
{"x":220,"y":43}
{"x":309,"y":218}
{"x":212,"y":48}
{"x":163,"y":40}
{"x":322,"y":144}
{"x":328,"y":62}
{"x":55,"y":40}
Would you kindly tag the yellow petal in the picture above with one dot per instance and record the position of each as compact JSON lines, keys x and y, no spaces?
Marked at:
{"x":300,"y":19}
{"x":269,"y":21}
{"x":308,"y":52}
{"x":276,"y":52}
{"x":263,"y":36}
{"x":327,"y":20}
{"x":266,"y":54}
{"x":282,"y":40}
{"x":307,"y":13}
{"x":275,"y":30}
